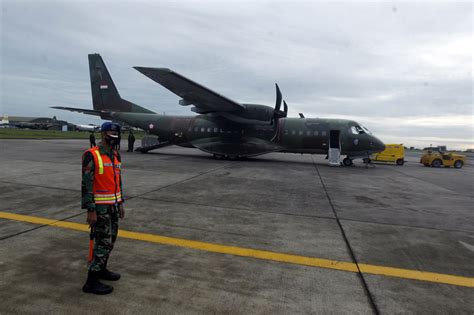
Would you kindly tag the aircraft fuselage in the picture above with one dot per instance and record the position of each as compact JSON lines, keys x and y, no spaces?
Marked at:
{"x":218,"y":135}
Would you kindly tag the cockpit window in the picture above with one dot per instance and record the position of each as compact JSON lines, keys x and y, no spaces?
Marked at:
{"x":358,"y":130}
{"x":366,"y":130}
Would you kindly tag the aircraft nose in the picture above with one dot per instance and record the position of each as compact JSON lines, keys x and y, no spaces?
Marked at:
{"x":377,"y":145}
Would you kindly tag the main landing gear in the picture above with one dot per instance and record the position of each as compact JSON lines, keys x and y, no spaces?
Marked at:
{"x":347,"y":162}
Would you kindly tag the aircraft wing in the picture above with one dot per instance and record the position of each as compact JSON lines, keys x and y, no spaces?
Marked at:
{"x":204,"y":99}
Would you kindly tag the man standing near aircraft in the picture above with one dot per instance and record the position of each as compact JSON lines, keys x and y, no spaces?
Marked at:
{"x":102,"y":197}
{"x":92,"y":140}
{"x":131,"y":141}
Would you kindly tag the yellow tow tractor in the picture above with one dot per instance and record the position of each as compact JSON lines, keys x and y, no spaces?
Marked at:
{"x":446,"y":159}
{"x":394,"y":153}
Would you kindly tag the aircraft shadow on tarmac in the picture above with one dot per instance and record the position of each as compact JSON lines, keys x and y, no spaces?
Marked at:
{"x":259,"y":159}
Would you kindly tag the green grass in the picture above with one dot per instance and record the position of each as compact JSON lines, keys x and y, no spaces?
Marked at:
{"x":12,"y":133}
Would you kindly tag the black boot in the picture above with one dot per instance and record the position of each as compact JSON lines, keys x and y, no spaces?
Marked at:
{"x":106,"y":274}
{"x":93,"y":285}
{"x":109,"y":275}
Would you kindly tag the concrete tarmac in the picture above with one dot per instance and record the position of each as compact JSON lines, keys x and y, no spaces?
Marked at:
{"x":408,"y":217}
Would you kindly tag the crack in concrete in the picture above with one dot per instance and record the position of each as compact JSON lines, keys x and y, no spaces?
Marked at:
{"x":349,"y":247}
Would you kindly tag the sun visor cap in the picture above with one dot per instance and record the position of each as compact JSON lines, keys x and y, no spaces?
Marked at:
{"x":110,"y":126}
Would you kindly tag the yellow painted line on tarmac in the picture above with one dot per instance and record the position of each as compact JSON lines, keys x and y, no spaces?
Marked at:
{"x":260,"y":254}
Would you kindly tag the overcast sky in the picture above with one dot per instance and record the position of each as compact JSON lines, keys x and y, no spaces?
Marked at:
{"x":403,"y":69}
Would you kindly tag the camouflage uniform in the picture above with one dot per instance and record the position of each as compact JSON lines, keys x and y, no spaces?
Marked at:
{"x":106,"y":227}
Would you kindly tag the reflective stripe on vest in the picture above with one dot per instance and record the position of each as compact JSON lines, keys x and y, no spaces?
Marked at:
{"x":101,"y":163}
{"x":107,"y":200}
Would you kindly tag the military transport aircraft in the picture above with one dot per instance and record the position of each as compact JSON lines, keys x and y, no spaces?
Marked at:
{"x":224,"y":127}
{"x":89,"y":127}
{"x":40,"y":123}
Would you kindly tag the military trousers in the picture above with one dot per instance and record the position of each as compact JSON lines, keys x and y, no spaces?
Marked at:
{"x":105,"y":235}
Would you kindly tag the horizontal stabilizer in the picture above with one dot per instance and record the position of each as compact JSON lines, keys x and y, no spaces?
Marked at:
{"x":101,"y":113}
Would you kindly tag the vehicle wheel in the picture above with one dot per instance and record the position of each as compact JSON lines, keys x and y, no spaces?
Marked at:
{"x":347,"y":162}
{"x":400,"y":162}
{"x":427,"y":165}
{"x":436,"y":163}
{"x":367,"y":160}
{"x":458,"y":164}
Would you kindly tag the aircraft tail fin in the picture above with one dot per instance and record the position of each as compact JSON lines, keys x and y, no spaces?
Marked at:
{"x":105,"y":96}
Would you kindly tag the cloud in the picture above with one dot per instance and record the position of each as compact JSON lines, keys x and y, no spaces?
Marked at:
{"x":377,"y":61}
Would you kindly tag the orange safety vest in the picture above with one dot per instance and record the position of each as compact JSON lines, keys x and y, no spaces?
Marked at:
{"x":106,"y":184}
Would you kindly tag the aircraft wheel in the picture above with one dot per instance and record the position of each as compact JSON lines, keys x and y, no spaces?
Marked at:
{"x":233,"y":157}
{"x":400,"y":162}
{"x":347,"y":162}
{"x":436,"y":163}
{"x":458,"y":164}
{"x":218,"y":156}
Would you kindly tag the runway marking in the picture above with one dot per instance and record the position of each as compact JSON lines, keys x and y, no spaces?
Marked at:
{"x":260,"y":254}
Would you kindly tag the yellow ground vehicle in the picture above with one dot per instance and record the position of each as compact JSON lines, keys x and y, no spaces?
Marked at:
{"x":446,"y":159}
{"x":394,"y":153}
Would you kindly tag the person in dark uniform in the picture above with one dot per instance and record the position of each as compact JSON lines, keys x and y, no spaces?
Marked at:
{"x":92,"y":140}
{"x":131,"y":141}
{"x":102,"y":197}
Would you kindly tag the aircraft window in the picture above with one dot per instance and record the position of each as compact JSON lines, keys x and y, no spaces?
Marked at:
{"x":221,"y":131}
{"x":202,"y":129}
{"x":215,"y":129}
{"x":196,"y":129}
{"x":308,"y":133}
{"x":293,"y":132}
{"x":316,"y":133}
{"x":301,"y":133}
{"x":359,"y":129}
{"x":367,"y":130}
{"x":208,"y":129}
{"x":323,"y":133}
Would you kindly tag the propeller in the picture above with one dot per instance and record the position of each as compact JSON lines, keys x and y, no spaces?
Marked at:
{"x":277,"y":113}
{"x":278,"y":98}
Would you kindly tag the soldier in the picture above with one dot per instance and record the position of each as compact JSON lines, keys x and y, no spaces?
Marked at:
{"x":92,"y":140}
{"x":102,"y":197}
{"x":131,"y":141}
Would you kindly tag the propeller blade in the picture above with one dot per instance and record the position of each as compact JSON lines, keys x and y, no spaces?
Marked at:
{"x":278,"y":98}
{"x":285,"y":108}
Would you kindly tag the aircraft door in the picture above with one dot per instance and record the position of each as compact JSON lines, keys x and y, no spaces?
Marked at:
{"x":334,"y":153}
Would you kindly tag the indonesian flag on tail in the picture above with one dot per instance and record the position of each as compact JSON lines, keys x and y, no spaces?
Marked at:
{"x":103,"y":86}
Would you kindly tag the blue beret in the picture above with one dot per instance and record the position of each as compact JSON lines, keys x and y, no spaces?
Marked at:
{"x":108,"y":125}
